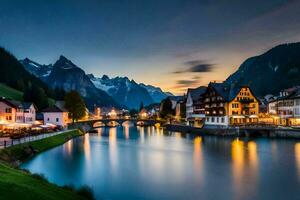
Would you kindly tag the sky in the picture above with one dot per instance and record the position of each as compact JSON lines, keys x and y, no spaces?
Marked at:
{"x":173,"y":44}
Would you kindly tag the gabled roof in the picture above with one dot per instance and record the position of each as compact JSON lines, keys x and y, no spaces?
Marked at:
{"x":196,"y":92}
{"x":176,"y":98}
{"x":12,"y":103}
{"x":221,"y":89}
{"x":54,"y":109}
{"x":294,"y":95}
{"x":228,"y":93}
{"x":26,"y":105}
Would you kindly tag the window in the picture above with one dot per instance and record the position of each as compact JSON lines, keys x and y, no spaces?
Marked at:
{"x":222,"y":119}
{"x":217,"y":119}
{"x":48,"y":119}
{"x":8,"y":110}
{"x":212,"y":119}
{"x":207,"y":119}
{"x":57,"y":120}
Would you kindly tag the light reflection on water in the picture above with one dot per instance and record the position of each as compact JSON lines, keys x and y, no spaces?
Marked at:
{"x":150,"y":163}
{"x":297,"y":156}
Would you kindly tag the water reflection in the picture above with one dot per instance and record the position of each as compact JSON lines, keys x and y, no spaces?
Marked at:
{"x":244,"y":166}
{"x":87,"y":147}
{"x":113,"y":149}
{"x":238,"y":161}
{"x":297,"y":157}
{"x":198,"y":158}
{"x":126,"y":130}
{"x":69,"y":147}
{"x":157,"y":164}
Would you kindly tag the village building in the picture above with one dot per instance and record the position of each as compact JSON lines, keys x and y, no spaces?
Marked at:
{"x":175,"y":99}
{"x":56,"y":116}
{"x":13,"y":111}
{"x":195,"y":110}
{"x":285,"y":109}
{"x":233,"y":106}
{"x":180,"y":110}
{"x":143,"y":114}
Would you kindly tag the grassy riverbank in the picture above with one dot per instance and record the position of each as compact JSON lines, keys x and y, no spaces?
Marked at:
{"x":19,"y":184}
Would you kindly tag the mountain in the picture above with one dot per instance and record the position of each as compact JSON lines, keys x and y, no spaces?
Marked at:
{"x":38,"y":70}
{"x":270,"y":72}
{"x":124,"y":91}
{"x":13,"y":74}
{"x":65,"y":74}
{"x":156,"y":93}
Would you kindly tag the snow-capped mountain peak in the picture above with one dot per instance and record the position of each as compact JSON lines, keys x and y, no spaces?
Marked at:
{"x":127,"y":91}
{"x":39,"y":70}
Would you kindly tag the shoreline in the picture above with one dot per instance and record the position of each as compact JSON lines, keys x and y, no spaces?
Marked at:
{"x":35,"y":186}
{"x":283,"y":133}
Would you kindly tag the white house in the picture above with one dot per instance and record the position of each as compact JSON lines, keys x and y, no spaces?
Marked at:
{"x":29,"y":115}
{"x":17,"y":112}
{"x":55,"y":115}
{"x":195,"y":112}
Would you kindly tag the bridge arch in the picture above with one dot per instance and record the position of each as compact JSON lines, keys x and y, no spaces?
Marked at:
{"x":113,"y":123}
{"x":128,"y":123}
{"x":98,"y":124}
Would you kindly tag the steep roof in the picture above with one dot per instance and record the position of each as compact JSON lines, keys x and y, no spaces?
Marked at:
{"x":221,"y":89}
{"x":54,"y":109}
{"x":176,"y":98}
{"x":196,"y":92}
{"x":26,"y":105}
{"x":12,"y":103}
{"x":228,"y":93}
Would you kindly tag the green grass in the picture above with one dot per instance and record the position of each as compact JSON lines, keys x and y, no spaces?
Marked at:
{"x":11,"y":93}
{"x":18,"y":184}
{"x":8,"y":92}
{"x":25,"y":151}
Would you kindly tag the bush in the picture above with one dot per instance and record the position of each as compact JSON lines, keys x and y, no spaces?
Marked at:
{"x":40,"y":177}
{"x":86,"y":192}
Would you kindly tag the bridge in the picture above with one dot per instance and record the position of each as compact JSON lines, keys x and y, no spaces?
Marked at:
{"x":90,"y":124}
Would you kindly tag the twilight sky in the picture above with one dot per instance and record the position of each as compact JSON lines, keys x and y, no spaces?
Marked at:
{"x":173,"y":44}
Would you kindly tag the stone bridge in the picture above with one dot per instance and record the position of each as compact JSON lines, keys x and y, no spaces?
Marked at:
{"x":88,"y":125}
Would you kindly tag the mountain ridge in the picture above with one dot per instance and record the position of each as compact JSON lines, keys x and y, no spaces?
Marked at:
{"x":65,"y":74}
{"x":276,"y":69}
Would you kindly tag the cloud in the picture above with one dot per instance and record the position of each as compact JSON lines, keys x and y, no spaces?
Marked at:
{"x":196,"y":66}
{"x":186,"y":82}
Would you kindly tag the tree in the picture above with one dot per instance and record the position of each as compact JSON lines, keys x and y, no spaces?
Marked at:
{"x":166,"y":108}
{"x":36,"y":95}
{"x":59,"y":93}
{"x":75,"y":105}
{"x":141,"y":106}
{"x":133,"y":113}
{"x":182,"y":110}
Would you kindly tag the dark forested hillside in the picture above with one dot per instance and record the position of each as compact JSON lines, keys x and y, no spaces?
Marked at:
{"x":13,"y":74}
{"x":270,"y":72}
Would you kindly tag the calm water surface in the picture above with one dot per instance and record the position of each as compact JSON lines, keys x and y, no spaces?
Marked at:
{"x":149,"y":163}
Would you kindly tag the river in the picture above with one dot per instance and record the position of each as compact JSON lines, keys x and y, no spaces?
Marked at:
{"x":150,"y":163}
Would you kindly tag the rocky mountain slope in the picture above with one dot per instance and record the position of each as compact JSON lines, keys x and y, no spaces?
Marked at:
{"x":128,"y":92}
{"x":102,"y":91}
{"x":270,"y":72}
{"x":65,"y":74}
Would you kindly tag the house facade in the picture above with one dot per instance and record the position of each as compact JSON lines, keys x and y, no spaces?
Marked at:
{"x":286,"y":108}
{"x":195,"y":110}
{"x":55,"y":115}
{"x":17,"y":112}
{"x":226,"y":106}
